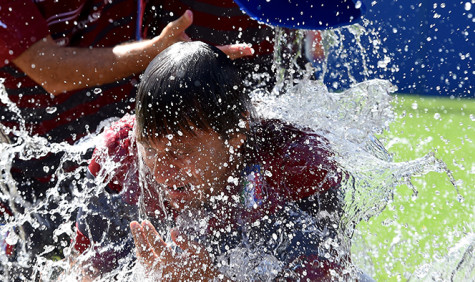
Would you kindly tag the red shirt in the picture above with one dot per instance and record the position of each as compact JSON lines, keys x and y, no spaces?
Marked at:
{"x":72,"y":115}
{"x":79,"y":23}
{"x":98,"y":23}
{"x":286,"y":167}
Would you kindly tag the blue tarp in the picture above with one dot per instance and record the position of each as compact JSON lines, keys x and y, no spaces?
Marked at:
{"x":304,"y":14}
{"x":430,"y":43}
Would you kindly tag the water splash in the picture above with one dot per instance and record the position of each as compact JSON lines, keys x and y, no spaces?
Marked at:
{"x":350,"y":120}
{"x":27,"y":147}
{"x":457,"y":265}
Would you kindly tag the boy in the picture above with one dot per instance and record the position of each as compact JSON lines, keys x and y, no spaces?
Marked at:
{"x":230,"y":197}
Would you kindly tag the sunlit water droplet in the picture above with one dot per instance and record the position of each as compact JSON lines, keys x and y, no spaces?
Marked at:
{"x":467,"y":6}
{"x":350,"y":120}
{"x":51,"y":110}
{"x":12,"y":238}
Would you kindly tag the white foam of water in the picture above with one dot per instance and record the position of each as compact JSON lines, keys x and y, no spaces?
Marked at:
{"x":350,"y":120}
{"x":457,"y":265}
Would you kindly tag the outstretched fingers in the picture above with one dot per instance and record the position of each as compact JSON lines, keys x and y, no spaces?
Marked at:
{"x":143,"y":248}
{"x":179,"y":26}
{"x":235,"y":51}
{"x":159,"y":246}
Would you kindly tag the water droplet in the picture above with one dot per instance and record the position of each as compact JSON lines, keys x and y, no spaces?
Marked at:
{"x":51,"y":110}
{"x":233,"y":180}
{"x":97,"y":91}
{"x":12,"y":238}
{"x":468,"y":6}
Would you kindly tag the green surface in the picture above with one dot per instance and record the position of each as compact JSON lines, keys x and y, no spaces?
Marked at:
{"x":410,"y":233}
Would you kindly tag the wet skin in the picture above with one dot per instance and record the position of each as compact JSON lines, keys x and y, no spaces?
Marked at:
{"x":190,"y":169}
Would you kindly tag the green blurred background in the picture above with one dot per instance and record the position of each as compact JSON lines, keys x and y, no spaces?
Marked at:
{"x":411,"y":233}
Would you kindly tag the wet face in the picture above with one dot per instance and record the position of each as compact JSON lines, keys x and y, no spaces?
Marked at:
{"x":191,"y":168}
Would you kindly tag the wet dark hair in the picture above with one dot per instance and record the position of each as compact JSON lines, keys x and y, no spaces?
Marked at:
{"x":189,"y":86}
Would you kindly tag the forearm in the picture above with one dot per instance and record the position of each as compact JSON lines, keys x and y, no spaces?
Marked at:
{"x":58,"y":69}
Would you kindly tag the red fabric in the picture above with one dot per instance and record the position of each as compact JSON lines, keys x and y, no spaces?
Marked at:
{"x":298,"y":162}
{"x":117,"y":144}
{"x":5,"y":210}
{"x":18,"y":31}
{"x":222,"y":3}
{"x":313,"y":268}
{"x":82,"y":242}
{"x":75,"y":23}
{"x":203,"y":18}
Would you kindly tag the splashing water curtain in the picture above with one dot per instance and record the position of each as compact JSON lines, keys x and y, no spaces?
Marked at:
{"x":364,"y":110}
{"x":352,"y":120}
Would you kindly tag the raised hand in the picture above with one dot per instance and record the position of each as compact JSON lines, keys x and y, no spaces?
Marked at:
{"x":175,"y":31}
{"x":192,"y":264}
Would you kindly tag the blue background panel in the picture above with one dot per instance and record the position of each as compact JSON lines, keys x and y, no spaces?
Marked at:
{"x":431,"y":43}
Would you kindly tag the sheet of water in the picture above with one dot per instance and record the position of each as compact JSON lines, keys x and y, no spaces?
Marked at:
{"x":350,"y":120}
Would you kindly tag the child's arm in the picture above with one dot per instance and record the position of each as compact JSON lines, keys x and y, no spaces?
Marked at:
{"x":194,"y":264}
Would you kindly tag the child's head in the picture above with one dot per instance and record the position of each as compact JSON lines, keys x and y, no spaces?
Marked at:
{"x":190,"y":85}
{"x":191,"y":113}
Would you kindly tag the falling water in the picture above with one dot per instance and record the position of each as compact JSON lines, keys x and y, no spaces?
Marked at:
{"x":351,"y":120}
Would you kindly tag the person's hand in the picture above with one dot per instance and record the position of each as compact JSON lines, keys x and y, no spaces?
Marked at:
{"x":174,"y":31}
{"x":235,"y":51}
{"x":192,"y":265}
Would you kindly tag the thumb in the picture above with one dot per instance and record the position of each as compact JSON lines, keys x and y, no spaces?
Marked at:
{"x":182,"y":23}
